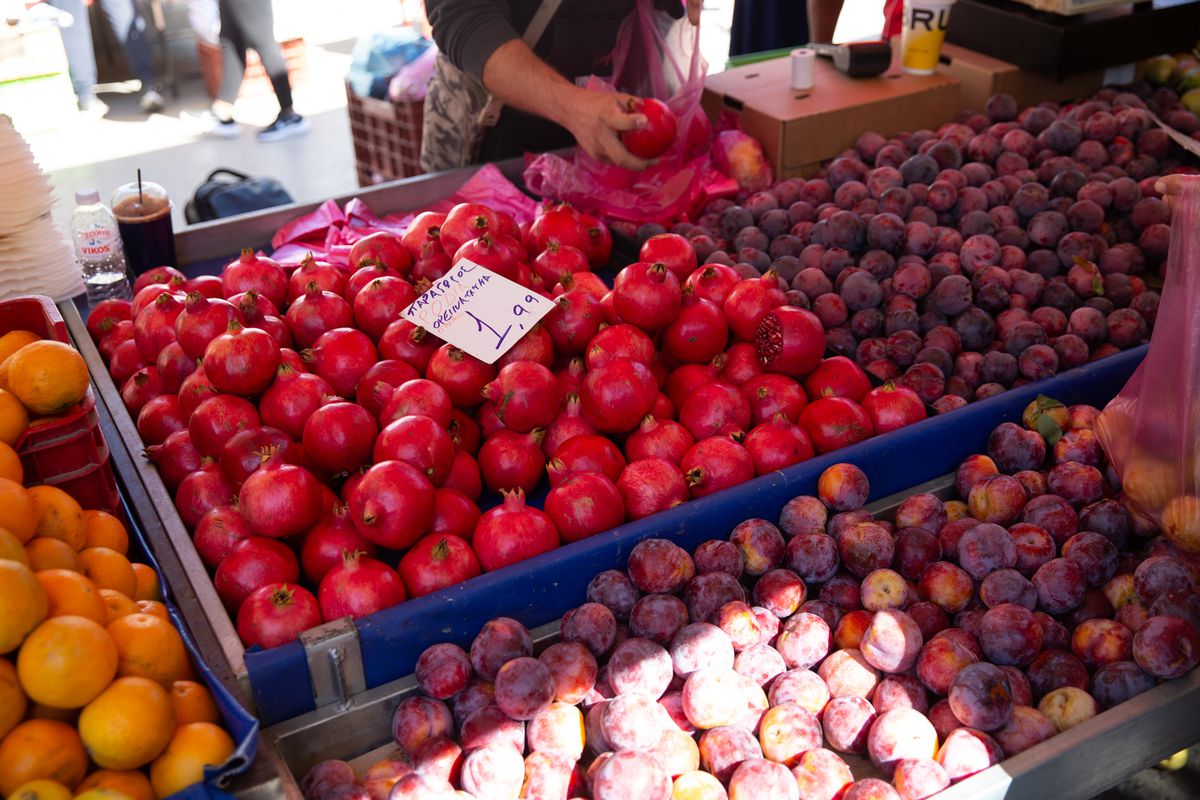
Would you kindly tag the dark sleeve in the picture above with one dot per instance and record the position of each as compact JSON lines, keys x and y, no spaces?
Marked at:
{"x":468,"y":31}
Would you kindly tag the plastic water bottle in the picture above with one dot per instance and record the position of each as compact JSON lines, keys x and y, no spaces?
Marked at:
{"x":98,"y":248}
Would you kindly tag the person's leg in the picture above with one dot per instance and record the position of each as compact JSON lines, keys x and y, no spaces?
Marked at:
{"x":233,"y":60}
{"x":129,"y":27}
{"x":81,"y":59}
{"x":257,"y":22}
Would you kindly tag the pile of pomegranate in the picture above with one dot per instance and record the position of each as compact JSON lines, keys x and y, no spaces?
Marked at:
{"x":835,"y":655}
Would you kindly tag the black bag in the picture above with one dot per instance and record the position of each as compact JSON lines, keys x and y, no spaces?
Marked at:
{"x":227,"y":192}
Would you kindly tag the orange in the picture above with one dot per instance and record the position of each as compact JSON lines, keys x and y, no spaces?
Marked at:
{"x":12,"y":700}
{"x":128,"y":725}
{"x":66,"y":662}
{"x":47,"y":377}
{"x":11,"y":549}
{"x":131,"y":783}
{"x":22,"y":604}
{"x":192,"y":748}
{"x":17,"y":514}
{"x":41,"y":748}
{"x":14,"y":419}
{"x":116,"y":605}
{"x":193,"y":703}
{"x":149,"y":647}
{"x":58,"y":515}
{"x":13,"y":341}
{"x":10,"y":464}
{"x":42,"y":789}
{"x":72,"y":593}
{"x":101,"y":529}
{"x":154,"y":608}
{"x":46,"y":553}
{"x":147,"y":583}
{"x":108,"y":569}
{"x":102,"y":794}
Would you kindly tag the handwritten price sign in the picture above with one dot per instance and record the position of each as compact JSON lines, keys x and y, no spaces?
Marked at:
{"x":477,"y":310}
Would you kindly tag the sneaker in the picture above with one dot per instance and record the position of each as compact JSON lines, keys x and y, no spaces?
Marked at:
{"x":152,"y":102}
{"x":285,"y":126}
{"x":93,"y":106}
{"x":207,"y":123}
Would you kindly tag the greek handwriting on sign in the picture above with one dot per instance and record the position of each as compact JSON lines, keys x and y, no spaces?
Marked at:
{"x":477,"y":310}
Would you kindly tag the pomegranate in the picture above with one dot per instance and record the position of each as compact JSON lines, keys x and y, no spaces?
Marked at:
{"x":338,"y":437}
{"x":513,"y":532}
{"x":217,"y":419}
{"x":392,"y":505}
{"x":246,"y":451}
{"x":684,"y":380}
{"x":406,"y":342}
{"x":713,"y":282}
{"x":833,"y":422}
{"x":568,"y":424}
{"x":776,"y":444}
{"x":291,"y":400}
{"x":154,"y":327}
{"x":750,"y":301}
{"x":619,"y":341}
{"x":462,"y":375}
{"x":585,"y":504}
{"x":418,"y":441}
{"x":201,"y":321}
{"x":663,"y":407}
{"x":464,"y":222}
{"x":431,"y":263}
{"x":599,"y":244}
{"x":254,"y":306}
{"x":672,"y":251}
{"x":105,"y":316}
{"x":536,"y":347}
{"x":454,"y":513}
{"x":771,"y":394}
{"x":207,"y":285}
{"x":322,"y":273}
{"x":384,"y":248}
{"x":258,"y":273}
{"x":437,"y":562}
{"x":714,"y":464}
{"x":342,"y":356}
{"x":141,"y":387}
{"x":489,"y":423}
{"x":119,"y":334}
{"x":698,"y":334}
{"x":616,"y":396}
{"x":146,"y":298}
{"x":464,"y":476}
{"x":558,"y":260}
{"x":588,"y":282}
{"x":326,"y":541}
{"x":790,"y":340}
{"x":659,"y":438}
{"x":217,"y":532}
{"x":739,"y":364}
{"x":175,"y":458}
{"x":573,"y":321}
{"x":838,"y":377}
{"x":586,"y":453}
{"x":242,"y":360}
{"x":195,"y":389}
{"x":715,"y":409}
{"x":201,"y":491}
{"x":253,"y":562}
{"x":510,"y":460}
{"x":159,"y":418}
{"x":570,"y":378}
{"x":157,"y":275}
{"x":647,"y":295}
{"x":280,"y":499}
{"x":173,"y":366}
{"x":314,"y":312}
{"x":526,"y":396}
{"x":359,"y":586}
{"x":362,"y":276}
{"x":418,"y":398}
{"x":657,"y":135}
{"x":425,"y":227}
{"x":380,"y":302}
{"x":494,"y":253}
{"x":651,"y":485}
{"x":464,"y":432}
{"x":276,"y":614}
{"x":890,"y":407}
{"x":377,"y":384}
{"x":559,"y":226}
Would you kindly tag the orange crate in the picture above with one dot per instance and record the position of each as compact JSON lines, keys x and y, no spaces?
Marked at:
{"x":387,"y":137}
{"x":255,"y":80}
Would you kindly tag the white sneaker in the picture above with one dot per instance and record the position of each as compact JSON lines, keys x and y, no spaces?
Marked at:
{"x":207,"y":123}
{"x":152,"y":102}
{"x":93,"y":106}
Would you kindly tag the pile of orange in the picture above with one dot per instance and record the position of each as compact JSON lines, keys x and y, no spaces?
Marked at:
{"x":96,"y":688}
{"x":38,"y":377}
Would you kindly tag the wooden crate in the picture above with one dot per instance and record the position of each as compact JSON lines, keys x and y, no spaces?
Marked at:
{"x":387,"y":137}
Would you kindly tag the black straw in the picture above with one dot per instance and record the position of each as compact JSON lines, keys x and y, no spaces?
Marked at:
{"x":141,"y":200}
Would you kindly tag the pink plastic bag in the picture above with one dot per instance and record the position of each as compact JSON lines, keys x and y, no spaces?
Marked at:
{"x":644,"y":65}
{"x":1151,"y":430}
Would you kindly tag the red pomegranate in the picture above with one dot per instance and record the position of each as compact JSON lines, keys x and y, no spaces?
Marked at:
{"x":431,"y":263}
{"x":588,"y":282}
{"x":254,"y":562}
{"x":276,"y":614}
{"x":536,"y":346}
{"x":454,"y":513}
{"x":494,"y":253}
{"x":838,"y":377}
{"x":203,"y":320}
{"x":140,"y":388}
{"x":359,"y":586}
{"x":834,"y":422}
{"x":207,"y":285}
{"x":380,"y":303}
{"x":322,"y":273}
{"x":195,"y":389}
{"x":338,"y":437}
{"x":364,"y":275}
{"x":418,"y":398}
{"x":715,"y":464}
{"x":253,"y":307}
{"x":464,"y":222}
{"x":616,"y":342}
{"x":671,"y":250}
{"x":119,"y":334}
{"x":464,"y":432}
{"x":257,"y":273}
{"x":790,"y":340}
{"x":568,"y":424}
{"x":241,"y":361}
{"x":513,"y":532}
{"x":510,"y":460}
{"x":651,"y":485}
{"x":585,"y":504}
{"x":684,"y":380}
{"x":464,"y":476}
{"x":573,"y":321}
{"x":599,"y":243}
{"x":771,"y":394}
{"x":698,"y":334}
{"x":159,"y":418}
{"x":404,"y":341}
{"x":437,"y":562}
{"x":777,"y":444}
{"x":526,"y":396}
{"x":657,"y":135}
{"x":325,"y":542}
{"x":616,"y":396}
{"x":659,"y":438}
{"x":570,"y":378}
{"x":200,"y":492}
{"x":425,"y":227}
{"x":314,"y":312}
{"x":146,"y":298}
{"x":647,"y":295}
{"x":173,"y":366}
{"x":741,"y":364}
{"x":715,"y":409}
{"x":217,"y":532}
{"x":890,"y":407}
{"x":558,"y":260}
{"x":392,"y":504}
{"x":217,"y":419}
{"x":418,"y":441}
{"x":384,"y":248}
{"x":558,"y":225}
{"x":291,"y":400}
{"x":175,"y":458}
{"x":713,"y":282}
{"x":342,"y":356}
{"x":749,"y":301}
{"x":377,"y":384}
{"x":156,"y":276}
{"x":154,"y":327}
{"x":462,"y":375}
{"x":280,"y":499}
{"x":586,"y":453}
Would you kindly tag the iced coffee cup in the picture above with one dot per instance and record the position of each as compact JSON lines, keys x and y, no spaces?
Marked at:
{"x":144,"y":218}
{"x":922,"y":34}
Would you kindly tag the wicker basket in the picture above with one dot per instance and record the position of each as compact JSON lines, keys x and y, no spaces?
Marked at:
{"x":387,"y":137}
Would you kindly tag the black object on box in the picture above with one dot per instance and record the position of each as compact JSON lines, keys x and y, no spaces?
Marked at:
{"x":1059,"y":46}
{"x":227,"y":192}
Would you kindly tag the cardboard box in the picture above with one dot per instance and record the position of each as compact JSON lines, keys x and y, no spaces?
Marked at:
{"x":982,"y":76}
{"x":798,"y":130}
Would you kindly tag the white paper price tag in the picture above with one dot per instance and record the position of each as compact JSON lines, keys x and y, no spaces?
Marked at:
{"x":477,"y":310}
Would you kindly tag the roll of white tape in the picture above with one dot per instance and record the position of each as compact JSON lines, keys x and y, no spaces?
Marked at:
{"x":802,"y":68}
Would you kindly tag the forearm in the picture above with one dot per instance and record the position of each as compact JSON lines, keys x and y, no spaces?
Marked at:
{"x":822,"y":19}
{"x":520,"y":79}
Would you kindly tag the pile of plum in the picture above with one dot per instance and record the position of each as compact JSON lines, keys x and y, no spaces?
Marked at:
{"x":934,"y":641}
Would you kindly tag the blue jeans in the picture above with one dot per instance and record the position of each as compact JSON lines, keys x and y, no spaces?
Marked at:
{"x":130,"y":29}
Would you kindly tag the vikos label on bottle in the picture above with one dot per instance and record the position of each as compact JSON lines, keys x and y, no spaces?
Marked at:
{"x":477,"y":310}
{"x":96,"y":242}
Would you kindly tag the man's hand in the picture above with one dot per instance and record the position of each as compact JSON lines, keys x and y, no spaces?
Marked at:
{"x":1171,"y":187}
{"x":596,"y":118}
{"x":693,"y":11}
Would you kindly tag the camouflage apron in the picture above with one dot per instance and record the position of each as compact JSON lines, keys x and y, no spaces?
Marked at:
{"x":459,"y":110}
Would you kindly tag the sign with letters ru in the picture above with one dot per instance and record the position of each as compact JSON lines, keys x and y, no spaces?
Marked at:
{"x":477,"y":310}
